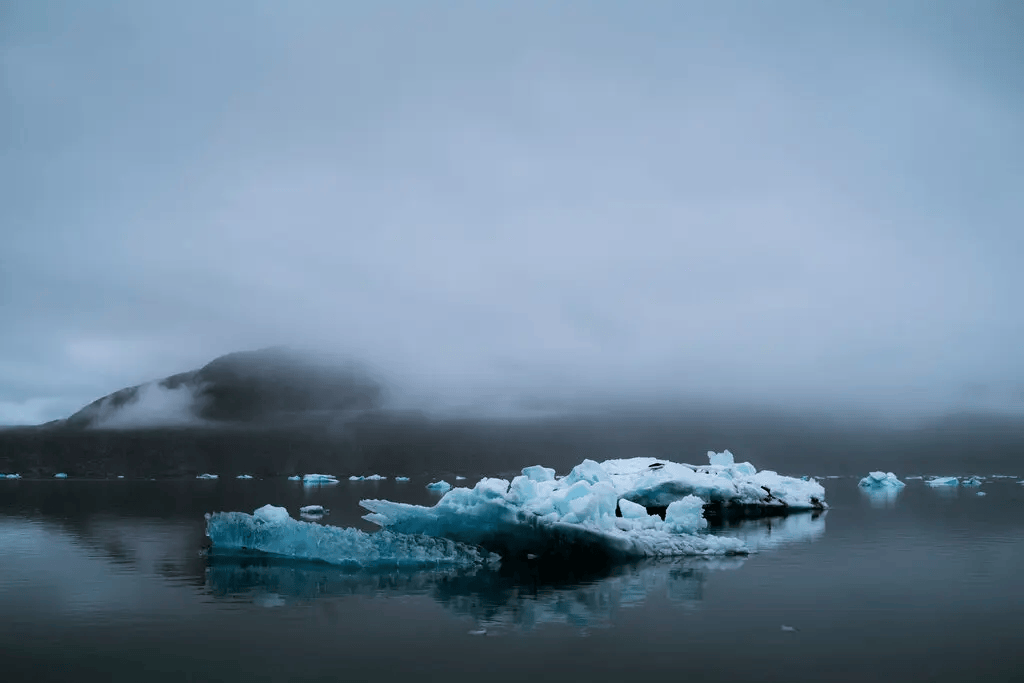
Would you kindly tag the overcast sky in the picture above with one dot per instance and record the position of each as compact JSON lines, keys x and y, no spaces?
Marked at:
{"x":798,"y":204}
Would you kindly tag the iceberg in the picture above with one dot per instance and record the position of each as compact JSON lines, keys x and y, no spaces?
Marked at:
{"x":272,"y":531}
{"x":459,"y":478}
{"x":319,"y":479}
{"x":295,"y":478}
{"x":207,"y":476}
{"x":60,"y":475}
{"x":881,"y":480}
{"x":10,"y":476}
{"x":372,"y":477}
{"x":596,"y":508}
{"x":973,"y":481}
{"x":313,"y":510}
{"x":980,"y":493}
{"x":244,"y":476}
{"x":401,"y":478}
{"x":439,"y":486}
{"x":943,"y":481}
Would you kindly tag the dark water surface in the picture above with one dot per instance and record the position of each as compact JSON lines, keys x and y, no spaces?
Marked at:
{"x":105,"y":580}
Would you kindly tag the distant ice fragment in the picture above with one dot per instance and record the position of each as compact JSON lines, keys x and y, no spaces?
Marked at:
{"x":881,"y":480}
{"x":943,"y":481}
{"x":371,"y":477}
{"x":790,"y":629}
{"x":10,"y":476}
{"x":458,"y":478}
{"x":313,"y":510}
{"x":120,"y":476}
{"x":725,"y":458}
{"x":271,"y":530}
{"x":319,"y":479}
{"x":401,"y":478}
{"x":244,"y":476}
{"x":439,"y":486}
{"x":972,"y":481}
{"x":295,"y":478}
{"x":207,"y":476}
{"x":980,"y":493}
{"x":60,"y":475}
{"x":478,"y":632}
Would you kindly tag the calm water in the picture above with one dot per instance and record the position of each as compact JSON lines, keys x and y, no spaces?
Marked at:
{"x":105,"y":580}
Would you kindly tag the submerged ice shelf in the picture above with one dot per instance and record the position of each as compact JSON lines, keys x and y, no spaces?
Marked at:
{"x":271,"y":530}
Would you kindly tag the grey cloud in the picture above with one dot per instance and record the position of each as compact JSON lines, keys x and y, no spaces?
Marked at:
{"x":798,"y":205}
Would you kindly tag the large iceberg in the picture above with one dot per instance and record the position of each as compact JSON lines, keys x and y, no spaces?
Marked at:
{"x":637,"y":507}
{"x":881,"y":480}
{"x":271,"y":530}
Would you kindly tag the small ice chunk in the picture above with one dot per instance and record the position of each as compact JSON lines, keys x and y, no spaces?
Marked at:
{"x":207,"y":475}
{"x":271,"y":514}
{"x":790,"y":629}
{"x":686,"y":516}
{"x":973,"y":481}
{"x":631,"y":510}
{"x":295,"y":478}
{"x":478,"y":632}
{"x":313,"y":510}
{"x":120,"y":476}
{"x":458,"y":478}
{"x":369,"y":477}
{"x":401,"y":478}
{"x":244,"y":476}
{"x":943,"y":481}
{"x":439,"y":486}
{"x":10,"y":476}
{"x":980,"y":493}
{"x":319,"y":479}
{"x":60,"y":475}
{"x":724,"y":458}
{"x":881,"y":480}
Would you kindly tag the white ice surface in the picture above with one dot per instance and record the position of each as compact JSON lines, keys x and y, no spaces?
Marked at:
{"x":244,"y":476}
{"x":371,"y":477}
{"x":539,"y":509}
{"x":319,"y":479}
{"x":943,"y":481}
{"x":439,"y":486}
{"x":881,"y":480}
{"x":271,"y":530}
{"x":207,"y":476}
{"x":295,"y":478}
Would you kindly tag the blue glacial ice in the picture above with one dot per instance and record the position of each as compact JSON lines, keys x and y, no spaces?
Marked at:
{"x":401,"y":478}
{"x":597,"y":507}
{"x":10,"y":476}
{"x":244,"y":476}
{"x":943,"y":481}
{"x":207,"y":476}
{"x":980,"y":493}
{"x":319,"y":479}
{"x":371,"y":477}
{"x":295,"y":477}
{"x":60,"y":475}
{"x":881,"y":480}
{"x":972,"y":481}
{"x":272,"y":531}
{"x":439,"y":486}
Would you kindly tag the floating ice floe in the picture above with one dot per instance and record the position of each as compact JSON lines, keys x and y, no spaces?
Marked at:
{"x":60,"y":475}
{"x":605,"y":508}
{"x":458,"y":478}
{"x":313,"y":510}
{"x":244,"y":476}
{"x":120,"y":476}
{"x":319,"y":479}
{"x":207,"y":476}
{"x":10,"y":476}
{"x":943,"y":481}
{"x":973,"y":481}
{"x":881,"y":480}
{"x":295,"y":477}
{"x":439,"y":486}
{"x":371,"y":477}
{"x":980,"y":493}
{"x":401,"y":478}
{"x":271,"y":530}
